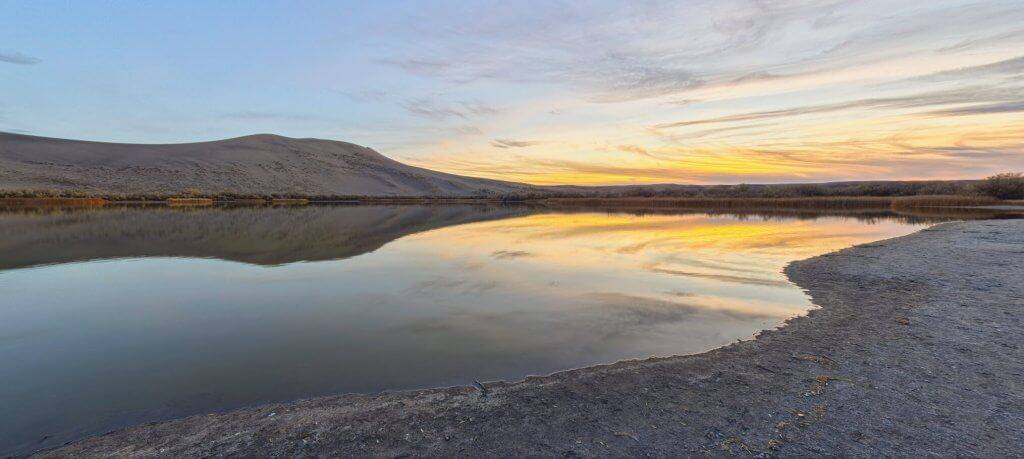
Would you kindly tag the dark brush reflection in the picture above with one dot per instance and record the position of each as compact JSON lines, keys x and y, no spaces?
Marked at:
{"x":256,"y":234}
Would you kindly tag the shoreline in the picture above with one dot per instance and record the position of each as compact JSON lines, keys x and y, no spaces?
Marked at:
{"x":799,"y":202}
{"x":944,"y":207}
{"x":928,"y":363}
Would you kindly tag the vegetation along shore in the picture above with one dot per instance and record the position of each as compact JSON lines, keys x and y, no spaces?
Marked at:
{"x":1000,"y":190}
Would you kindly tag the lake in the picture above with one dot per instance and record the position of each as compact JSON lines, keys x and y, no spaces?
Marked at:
{"x":117,"y":316}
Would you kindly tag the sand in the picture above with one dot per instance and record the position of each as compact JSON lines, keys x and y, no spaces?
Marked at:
{"x":258,"y":164}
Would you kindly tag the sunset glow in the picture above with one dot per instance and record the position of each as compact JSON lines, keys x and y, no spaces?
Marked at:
{"x":545,"y":92}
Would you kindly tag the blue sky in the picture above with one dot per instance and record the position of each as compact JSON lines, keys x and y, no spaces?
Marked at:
{"x":545,"y":92}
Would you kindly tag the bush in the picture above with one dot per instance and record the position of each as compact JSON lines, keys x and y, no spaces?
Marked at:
{"x":1009,"y":185}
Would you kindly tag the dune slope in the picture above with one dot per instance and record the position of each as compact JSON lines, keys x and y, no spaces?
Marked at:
{"x":258,"y":164}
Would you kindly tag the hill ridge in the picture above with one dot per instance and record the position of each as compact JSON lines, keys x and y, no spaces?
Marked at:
{"x":252,"y":164}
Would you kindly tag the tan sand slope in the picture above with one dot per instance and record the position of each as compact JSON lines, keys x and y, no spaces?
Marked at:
{"x":257,"y":164}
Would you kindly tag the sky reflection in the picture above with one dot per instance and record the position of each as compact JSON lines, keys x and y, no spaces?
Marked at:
{"x":128,"y":332}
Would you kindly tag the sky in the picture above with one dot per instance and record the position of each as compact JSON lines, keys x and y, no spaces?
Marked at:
{"x":545,"y":92}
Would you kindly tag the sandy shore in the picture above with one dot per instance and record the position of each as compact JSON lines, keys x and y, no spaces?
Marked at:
{"x":918,"y":349}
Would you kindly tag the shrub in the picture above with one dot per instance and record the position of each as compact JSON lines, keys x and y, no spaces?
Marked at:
{"x":1009,"y":185}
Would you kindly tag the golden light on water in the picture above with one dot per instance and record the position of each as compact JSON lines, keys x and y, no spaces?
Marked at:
{"x":695,"y":260}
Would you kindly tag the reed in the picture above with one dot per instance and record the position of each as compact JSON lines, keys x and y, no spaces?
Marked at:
{"x":909,"y":202}
{"x":54,"y":202}
{"x":189,"y":201}
{"x":290,"y":201}
{"x":248,"y":201}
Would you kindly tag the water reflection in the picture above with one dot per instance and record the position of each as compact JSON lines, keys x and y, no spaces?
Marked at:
{"x":130,"y":315}
{"x":260,"y":235}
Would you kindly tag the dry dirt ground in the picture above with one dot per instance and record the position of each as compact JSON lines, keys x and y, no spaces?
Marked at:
{"x":917,"y":350}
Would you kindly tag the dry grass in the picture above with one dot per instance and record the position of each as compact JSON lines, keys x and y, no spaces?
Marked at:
{"x":948,"y":213}
{"x":290,"y":201}
{"x":53,"y":202}
{"x":189,"y":201}
{"x":910,"y":202}
{"x":248,"y":201}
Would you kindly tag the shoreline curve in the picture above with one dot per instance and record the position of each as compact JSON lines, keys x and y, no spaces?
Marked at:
{"x":914,"y":349}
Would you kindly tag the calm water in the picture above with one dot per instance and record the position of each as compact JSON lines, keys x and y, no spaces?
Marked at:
{"x":114,"y":317}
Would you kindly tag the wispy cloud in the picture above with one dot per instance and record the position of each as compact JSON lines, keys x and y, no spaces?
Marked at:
{"x":476,"y":107}
{"x":419,"y":66}
{"x":1014,"y":66}
{"x":975,"y":42}
{"x":18,"y":58}
{"x":636,"y":81}
{"x":435,"y":110}
{"x":512,"y":143}
{"x":682,"y":102}
{"x":719,"y":130}
{"x":557,"y":167}
{"x":624,"y":53}
{"x":467,"y":130}
{"x":943,"y":97}
{"x":429,"y":109}
{"x":635,"y":149}
{"x":508,"y":254}
{"x":985,"y":109}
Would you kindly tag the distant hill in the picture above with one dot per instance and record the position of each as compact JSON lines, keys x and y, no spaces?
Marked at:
{"x":257,"y":164}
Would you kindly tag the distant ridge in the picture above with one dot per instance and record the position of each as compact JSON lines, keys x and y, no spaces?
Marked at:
{"x":262,"y":164}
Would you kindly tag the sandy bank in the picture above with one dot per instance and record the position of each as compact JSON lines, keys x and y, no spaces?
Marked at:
{"x":917,"y":349}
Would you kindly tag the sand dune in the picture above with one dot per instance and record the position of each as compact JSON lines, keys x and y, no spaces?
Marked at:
{"x":257,"y":164}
